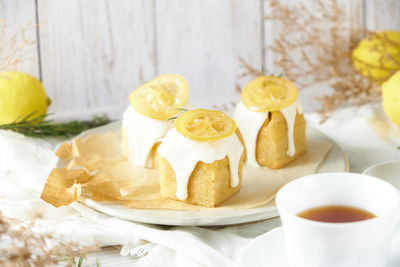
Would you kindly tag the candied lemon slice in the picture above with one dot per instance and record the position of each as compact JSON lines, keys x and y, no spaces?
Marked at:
{"x":161,"y":97}
{"x":268,"y":93}
{"x":205,"y":125}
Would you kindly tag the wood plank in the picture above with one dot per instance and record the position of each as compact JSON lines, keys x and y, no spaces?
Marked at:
{"x":203,"y":40}
{"x":272,"y":29}
{"x":94,"y":53}
{"x":16,"y":15}
{"x":382,"y":14}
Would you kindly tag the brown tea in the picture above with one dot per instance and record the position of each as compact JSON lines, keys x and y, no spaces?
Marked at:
{"x":336,"y":214}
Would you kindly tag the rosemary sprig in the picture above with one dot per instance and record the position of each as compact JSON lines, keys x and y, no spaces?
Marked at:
{"x":172,"y":118}
{"x":40,"y":126}
{"x":262,"y":72}
{"x":72,"y":261}
{"x":182,"y":110}
{"x":80,"y":261}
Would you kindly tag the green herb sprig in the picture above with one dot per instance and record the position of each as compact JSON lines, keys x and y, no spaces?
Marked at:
{"x":40,"y":126}
{"x":72,"y":261}
{"x":182,"y":110}
{"x":262,"y":73}
{"x":80,"y":261}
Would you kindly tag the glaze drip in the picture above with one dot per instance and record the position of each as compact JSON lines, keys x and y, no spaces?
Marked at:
{"x":250,"y":122}
{"x":142,"y":133}
{"x":183,"y":155}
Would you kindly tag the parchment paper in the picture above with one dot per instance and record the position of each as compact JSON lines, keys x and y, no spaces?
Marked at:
{"x":113,"y":178}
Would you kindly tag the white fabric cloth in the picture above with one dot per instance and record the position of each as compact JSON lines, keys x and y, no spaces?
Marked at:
{"x":26,"y":162}
{"x":351,"y":128}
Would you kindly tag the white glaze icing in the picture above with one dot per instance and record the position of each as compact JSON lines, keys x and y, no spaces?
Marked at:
{"x":183,"y":155}
{"x":290,"y":113}
{"x":141,"y":134}
{"x":250,"y":122}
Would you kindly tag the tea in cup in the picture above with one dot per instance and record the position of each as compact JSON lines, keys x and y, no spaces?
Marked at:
{"x":338,"y":220}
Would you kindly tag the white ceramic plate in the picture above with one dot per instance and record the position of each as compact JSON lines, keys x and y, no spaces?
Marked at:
{"x":334,"y":161}
{"x":267,"y":250}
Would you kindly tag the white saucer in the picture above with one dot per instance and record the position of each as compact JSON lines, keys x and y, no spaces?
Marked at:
{"x":388,"y":171}
{"x":267,"y":250}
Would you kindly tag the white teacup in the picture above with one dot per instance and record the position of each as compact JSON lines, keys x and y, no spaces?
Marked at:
{"x":353,"y":244}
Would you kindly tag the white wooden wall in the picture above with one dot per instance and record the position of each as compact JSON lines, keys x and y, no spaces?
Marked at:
{"x":90,"y":54}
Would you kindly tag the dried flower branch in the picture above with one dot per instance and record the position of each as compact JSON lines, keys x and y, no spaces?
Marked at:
{"x":315,"y":46}
{"x":248,"y":69}
{"x":351,"y":89}
{"x":21,"y":245}
{"x":14,"y":46}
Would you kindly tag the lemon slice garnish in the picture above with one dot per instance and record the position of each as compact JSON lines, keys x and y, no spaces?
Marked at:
{"x":268,"y":93}
{"x":205,"y":125}
{"x":161,"y":97}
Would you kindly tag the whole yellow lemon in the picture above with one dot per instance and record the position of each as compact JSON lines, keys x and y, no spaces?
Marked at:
{"x":391,"y":97}
{"x":20,"y":95}
{"x":373,"y":57}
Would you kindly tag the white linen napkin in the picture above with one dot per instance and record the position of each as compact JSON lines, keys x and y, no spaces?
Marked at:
{"x":26,"y":162}
{"x":351,"y":128}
